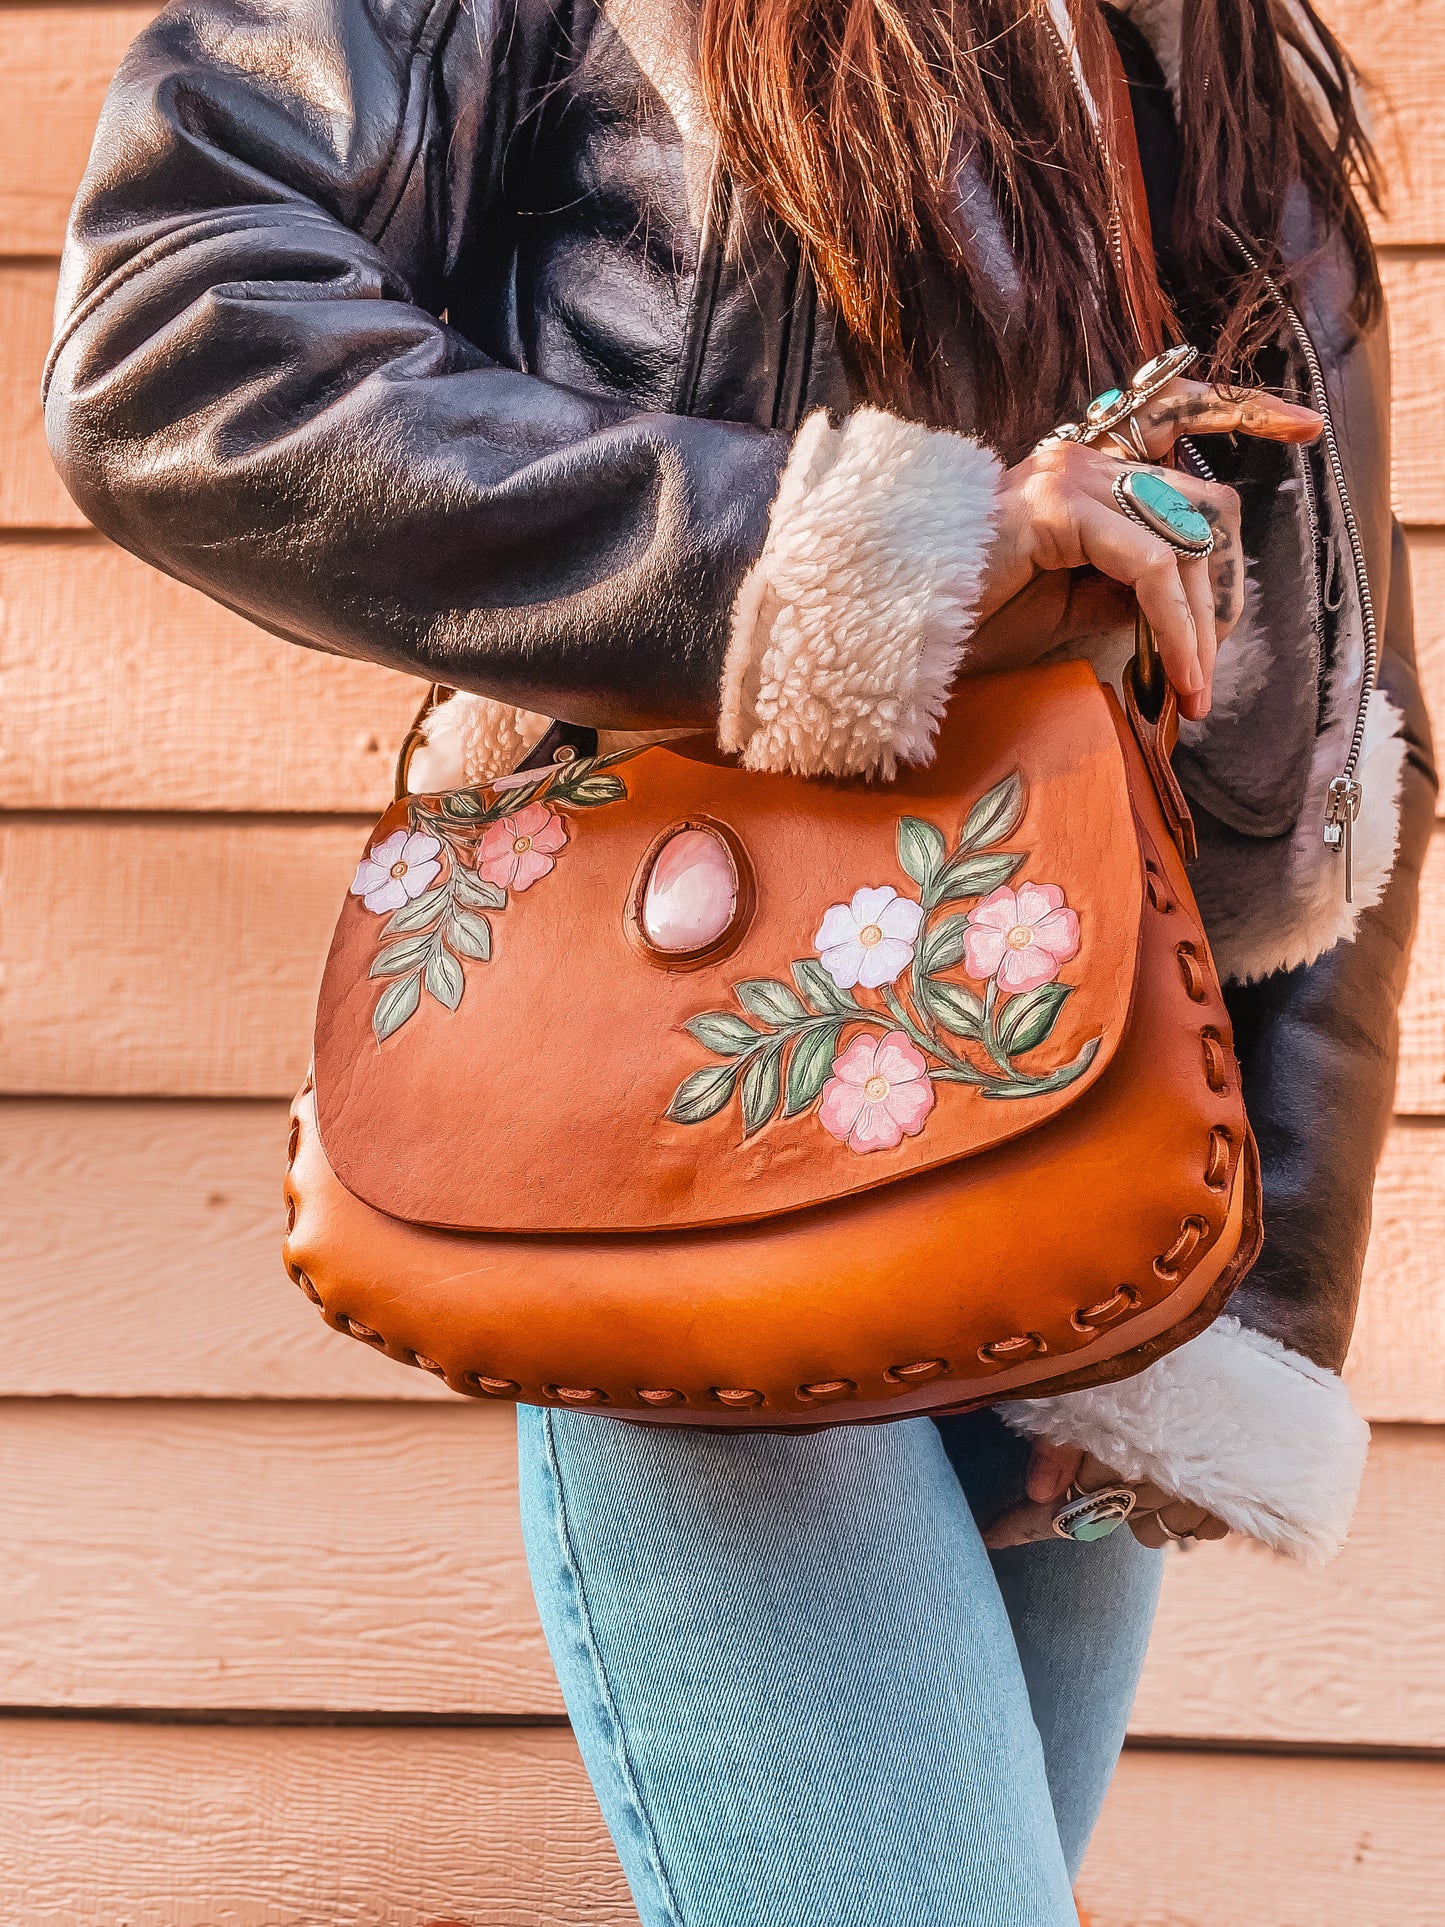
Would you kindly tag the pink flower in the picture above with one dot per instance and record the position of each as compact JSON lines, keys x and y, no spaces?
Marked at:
{"x":879,"y":1093}
{"x":1021,"y":936}
{"x":394,"y":872}
{"x":870,"y":940}
{"x":519,"y":849}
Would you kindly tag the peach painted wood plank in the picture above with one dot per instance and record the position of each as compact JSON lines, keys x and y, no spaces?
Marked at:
{"x":55,"y":65}
{"x":181,"y":956}
{"x":126,"y":690}
{"x":1415,"y":288}
{"x":145,"y":1265}
{"x":1226,"y":1840}
{"x":1427,"y":571}
{"x":166,"y":1826}
{"x":177,"y":955}
{"x":275,"y":1555}
{"x":1421,"y":1086}
{"x":1396,"y":1367}
{"x":355,"y":1557}
{"x":146,"y":1262}
{"x":1251,"y":1646}
{"x":1400,"y":49}
{"x":31,"y":495}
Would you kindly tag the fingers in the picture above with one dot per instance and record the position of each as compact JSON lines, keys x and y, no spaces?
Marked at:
{"x":1052,"y":1470}
{"x":1197,"y":408}
{"x":1120,"y":548}
{"x":1021,"y":1525}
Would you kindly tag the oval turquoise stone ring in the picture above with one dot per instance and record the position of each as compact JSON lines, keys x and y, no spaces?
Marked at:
{"x":1156,"y":504}
{"x":1085,"y":1516}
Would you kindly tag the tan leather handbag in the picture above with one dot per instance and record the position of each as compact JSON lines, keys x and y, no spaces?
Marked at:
{"x":653,"y":1086}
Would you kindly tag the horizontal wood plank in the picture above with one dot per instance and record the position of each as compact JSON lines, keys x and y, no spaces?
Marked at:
{"x":55,"y":65}
{"x":126,"y":691}
{"x":361,"y":1557}
{"x":1221,"y":1840}
{"x":158,"y":1826}
{"x":147,"y":1260}
{"x":1415,"y":288}
{"x":1249,"y":1646}
{"x":181,"y":956}
{"x":274,"y":1827}
{"x":1421,"y":1086}
{"x":1400,"y":50}
{"x":177,"y":956}
{"x":292,"y":1555}
{"x":145,"y":1265}
{"x":31,"y":493}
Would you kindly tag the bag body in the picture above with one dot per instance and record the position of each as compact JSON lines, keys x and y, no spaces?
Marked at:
{"x":652,"y":1085}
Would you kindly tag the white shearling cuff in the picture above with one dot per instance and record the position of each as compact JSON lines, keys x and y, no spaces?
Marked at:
{"x":469,"y":740}
{"x":1259,"y":1435}
{"x":851,"y":626}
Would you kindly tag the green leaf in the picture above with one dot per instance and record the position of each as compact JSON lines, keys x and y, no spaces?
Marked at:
{"x":444,"y":978}
{"x":773,"y":1002}
{"x":994,"y":816}
{"x":823,"y":995}
{"x":462,"y":805}
{"x":720,"y":1031}
{"x":400,"y":956}
{"x":975,"y":876}
{"x":475,"y":892}
{"x":944,"y":945}
{"x":921,"y":850}
{"x":469,"y":935}
{"x":395,"y":1004}
{"x":593,"y":790}
{"x":1030,"y":1016}
{"x":810,"y":1066}
{"x":957,"y":1009}
{"x":412,"y":916}
{"x":1058,"y":1080}
{"x":762,"y":1087}
{"x":703,"y":1094}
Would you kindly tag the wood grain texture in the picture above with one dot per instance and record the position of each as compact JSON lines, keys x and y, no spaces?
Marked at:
{"x":276,"y":1827}
{"x":126,"y":690}
{"x":1396,"y":1367}
{"x":31,"y":494}
{"x":147,"y":1260}
{"x":1415,"y":289}
{"x":177,"y":956}
{"x":181,"y":956}
{"x":145,"y":1265}
{"x":1220,"y":1840}
{"x":55,"y":65}
{"x":1421,"y":1086}
{"x":369,"y":1557}
{"x":354,"y":1557}
{"x":1251,"y":1646}
{"x":1400,"y":50}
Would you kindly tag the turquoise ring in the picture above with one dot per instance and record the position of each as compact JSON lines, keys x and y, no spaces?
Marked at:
{"x":1086,"y":1516}
{"x":1145,"y":497}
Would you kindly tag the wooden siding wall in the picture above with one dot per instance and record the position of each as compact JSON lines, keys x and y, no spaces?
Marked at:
{"x":267,"y":1651}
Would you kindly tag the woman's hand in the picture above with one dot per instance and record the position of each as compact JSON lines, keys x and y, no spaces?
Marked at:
{"x":1157,"y":1516}
{"x":1056,"y":511}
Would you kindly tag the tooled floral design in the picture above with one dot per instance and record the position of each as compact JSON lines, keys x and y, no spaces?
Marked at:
{"x":808,"y":1044}
{"x":456,"y":860}
{"x":520,"y":849}
{"x":879,"y":1093}
{"x":394,"y":872}
{"x":1022,"y":937}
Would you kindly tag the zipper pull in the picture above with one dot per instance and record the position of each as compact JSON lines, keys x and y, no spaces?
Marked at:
{"x":1342,"y":806}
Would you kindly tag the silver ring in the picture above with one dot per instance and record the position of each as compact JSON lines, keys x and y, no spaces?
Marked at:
{"x":1156,"y":505}
{"x":1087,"y":1516}
{"x":1159,"y":372}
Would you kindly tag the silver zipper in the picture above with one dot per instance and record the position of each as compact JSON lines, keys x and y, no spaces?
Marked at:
{"x":1345,"y":794}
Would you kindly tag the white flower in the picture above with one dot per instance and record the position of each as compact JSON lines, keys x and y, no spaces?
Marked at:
{"x":870,"y":940}
{"x":396,"y":871}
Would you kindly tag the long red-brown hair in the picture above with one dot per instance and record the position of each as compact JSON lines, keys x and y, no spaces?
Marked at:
{"x":862,"y":126}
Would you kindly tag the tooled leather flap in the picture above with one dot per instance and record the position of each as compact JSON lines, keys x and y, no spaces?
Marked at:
{"x":910,"y":974}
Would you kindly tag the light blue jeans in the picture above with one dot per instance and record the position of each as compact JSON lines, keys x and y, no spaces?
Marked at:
{"x":806,"y":1695}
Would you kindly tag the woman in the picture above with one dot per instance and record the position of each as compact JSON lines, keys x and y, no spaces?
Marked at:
{"x":679,"y":365}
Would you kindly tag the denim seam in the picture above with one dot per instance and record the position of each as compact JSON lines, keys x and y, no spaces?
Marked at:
{"x":603,"y":1684}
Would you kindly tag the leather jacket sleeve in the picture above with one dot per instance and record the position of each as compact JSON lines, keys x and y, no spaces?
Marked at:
{"x":253,"y":389}
{"x":1318,"y":1048}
